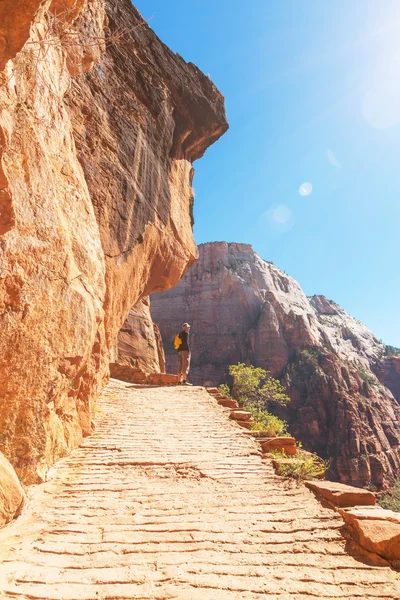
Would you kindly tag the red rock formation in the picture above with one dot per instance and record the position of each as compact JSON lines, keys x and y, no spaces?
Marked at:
{"x":342,"y":495}
{"x":125,"y":372}
{"x":242,"y":308}
{"x":388,"y":372}
{"x":15,"y":24}
{"x":95,"y":204}
{"x":12,"y":496}
{"x":139,"y":341}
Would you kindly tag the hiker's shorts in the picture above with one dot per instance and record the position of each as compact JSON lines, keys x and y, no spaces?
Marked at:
{"x":184,"y":362}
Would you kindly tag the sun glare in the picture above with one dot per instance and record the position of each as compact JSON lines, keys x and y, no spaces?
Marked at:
{"x":381,"y":99}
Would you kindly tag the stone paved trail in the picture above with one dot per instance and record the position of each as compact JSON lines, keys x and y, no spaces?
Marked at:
{"x":170,"y":499}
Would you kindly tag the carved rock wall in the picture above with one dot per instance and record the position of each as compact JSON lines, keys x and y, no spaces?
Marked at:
{"x":139,"y":341}
{"x":99,"y":126}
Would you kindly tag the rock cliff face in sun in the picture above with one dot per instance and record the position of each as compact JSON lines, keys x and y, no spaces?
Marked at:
{"x":243,"y":308}
{"x":99,"y":126}
{"x":388,"y":372}
{"x":139,"y":342}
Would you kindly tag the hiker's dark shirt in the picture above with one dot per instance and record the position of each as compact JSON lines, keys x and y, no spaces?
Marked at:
{"x":184,"y":335}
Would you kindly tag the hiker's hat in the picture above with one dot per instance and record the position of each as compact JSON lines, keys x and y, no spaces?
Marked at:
{"x":185,"y":325}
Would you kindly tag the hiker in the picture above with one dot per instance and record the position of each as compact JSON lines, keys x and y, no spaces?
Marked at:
{"x":183,"y":353}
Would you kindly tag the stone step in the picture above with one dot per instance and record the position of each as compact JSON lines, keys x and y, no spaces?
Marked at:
{"x":282,"y":440}
{"x":373,"y":512}
{"x":228,"y":403}
{"x":246,"y":424}
{"x":241,"y":415}
{"x":340,"y":494}
{"x":376,"y":529}
{"x":162,"y":378}
{"x":281,"y":444}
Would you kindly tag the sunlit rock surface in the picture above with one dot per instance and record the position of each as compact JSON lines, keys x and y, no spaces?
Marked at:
{"x":99,"y":126}
{"x":12,"y":496}
{"x":139,"y":341}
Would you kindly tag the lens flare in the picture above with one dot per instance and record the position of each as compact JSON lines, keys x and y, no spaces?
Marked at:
{"x":305,"y":189}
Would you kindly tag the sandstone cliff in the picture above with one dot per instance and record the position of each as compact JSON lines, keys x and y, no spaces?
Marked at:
{"x":243,"y":308}
{"x":388,"y":372}
{"x":139,"y":341}
{"x":99,"y":126}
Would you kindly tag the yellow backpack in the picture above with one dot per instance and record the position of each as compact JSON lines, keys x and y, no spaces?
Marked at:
{"x":177,"y":341}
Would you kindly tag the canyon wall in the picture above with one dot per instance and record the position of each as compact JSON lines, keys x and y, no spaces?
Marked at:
{"x":139,"y":341}
{"x":99,"y":126}
{"x":388,"y":372}
{"x":244,"y":309}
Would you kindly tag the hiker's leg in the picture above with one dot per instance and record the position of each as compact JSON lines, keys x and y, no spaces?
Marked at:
{"x":180,"y":365}
{"x":185,"y":364}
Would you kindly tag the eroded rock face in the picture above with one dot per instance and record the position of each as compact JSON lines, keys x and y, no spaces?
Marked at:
{"x":99,"y":126}
{"x":242,"y":308}
{"x":12,"y":496}
{"x":139,"y":341}
{"x":388,"y":372}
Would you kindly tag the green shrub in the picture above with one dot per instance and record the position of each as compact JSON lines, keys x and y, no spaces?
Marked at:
{"x":255,"y":390}
{"x":301,"y":466}
{"x":391,"y":351}
{"x":304,"y":367}
{"x":310,"y":354}
{"x":391,"y":499}
{"x":256,"y":386}
{"x":264,"y":421}
{"x":224,"y":389}
{"x":368,"y":377}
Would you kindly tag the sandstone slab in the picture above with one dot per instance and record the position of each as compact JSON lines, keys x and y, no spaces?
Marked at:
{"x":162,"y":379}
{"x":280,"y":444}
{"x":241,"y":415}
{"x":381,"y":537}
{"x":278,"y":441}
{"x":228,"y":403}
{"x":212,"y":390}
{"x":369,"y":512}
{"x":125,"y":372}
{"x":245,"y":424}
{"x":342,"y":495}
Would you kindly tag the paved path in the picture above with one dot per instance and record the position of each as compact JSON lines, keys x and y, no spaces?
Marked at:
{"x":170,"y":499}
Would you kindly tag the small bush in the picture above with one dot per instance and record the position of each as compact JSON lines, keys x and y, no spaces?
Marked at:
{"x":302,"y":467}
{"x":368,"y":377}
{"x":311,"y":354}
{"x":255,"y":390}
{"x":392,"y":351}
{"x":256,"y":386}
{"x":264,"y":421}
{"x":391,"y":499}
{"x":224,"y":390}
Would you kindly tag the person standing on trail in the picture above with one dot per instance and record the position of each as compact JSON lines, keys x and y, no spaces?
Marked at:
{"x":184,"y":354}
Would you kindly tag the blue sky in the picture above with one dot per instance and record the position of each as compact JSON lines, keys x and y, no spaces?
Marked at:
{"x":312,"y":92}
